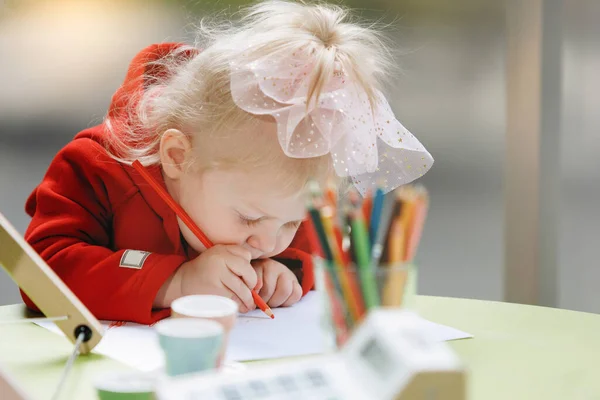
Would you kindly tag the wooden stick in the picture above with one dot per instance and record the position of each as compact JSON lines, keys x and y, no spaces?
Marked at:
{"x":32,"y":320}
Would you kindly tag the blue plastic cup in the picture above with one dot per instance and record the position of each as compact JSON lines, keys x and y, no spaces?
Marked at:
{"x":190,"y":345}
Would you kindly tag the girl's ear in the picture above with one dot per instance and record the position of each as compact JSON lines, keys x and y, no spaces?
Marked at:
{"x":175,"y":152}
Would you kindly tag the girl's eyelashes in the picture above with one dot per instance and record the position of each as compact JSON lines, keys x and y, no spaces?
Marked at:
{"x":249,"y":221}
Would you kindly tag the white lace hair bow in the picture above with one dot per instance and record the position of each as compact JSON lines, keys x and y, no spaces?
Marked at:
{"x":373,"y":148}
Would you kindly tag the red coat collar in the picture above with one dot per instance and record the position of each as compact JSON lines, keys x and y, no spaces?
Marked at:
{"x":157,"y":204}
{"x":161,"y":208}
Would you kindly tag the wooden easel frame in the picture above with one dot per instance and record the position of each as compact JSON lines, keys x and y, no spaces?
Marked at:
{"x":45,"y":288}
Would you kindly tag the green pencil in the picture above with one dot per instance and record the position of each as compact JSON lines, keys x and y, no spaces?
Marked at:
{"x":361,"y":249}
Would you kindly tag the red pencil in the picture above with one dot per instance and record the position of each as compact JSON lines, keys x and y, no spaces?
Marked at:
{"x":191,"y":225}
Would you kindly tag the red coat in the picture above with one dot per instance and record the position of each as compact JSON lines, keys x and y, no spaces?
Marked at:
{"x":89,"y":209}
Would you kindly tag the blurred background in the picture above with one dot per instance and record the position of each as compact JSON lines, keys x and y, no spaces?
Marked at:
{"x":60,"y":62}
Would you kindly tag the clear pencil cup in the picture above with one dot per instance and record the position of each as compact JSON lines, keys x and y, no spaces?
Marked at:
{"x":349,"y":292}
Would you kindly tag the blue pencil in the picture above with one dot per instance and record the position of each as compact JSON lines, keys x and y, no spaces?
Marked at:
{"x":375,"y":215}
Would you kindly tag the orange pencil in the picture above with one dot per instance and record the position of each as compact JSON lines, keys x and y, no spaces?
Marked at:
{"x":407,"y":218}
{"x":191,"y":225}
{"x":331,"y":195}
{"x":367,"y":206}
{"x":354,"y":286}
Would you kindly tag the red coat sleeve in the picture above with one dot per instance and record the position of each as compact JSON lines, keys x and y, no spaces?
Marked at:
{"x":300,"y":251}
{"x":71,"y":230}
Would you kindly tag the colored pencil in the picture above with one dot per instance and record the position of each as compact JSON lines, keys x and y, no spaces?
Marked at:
{"x":393,"y":288}
{"x":414,"y":237}
{"x":313,"y":240}
{"x":339,"y":264}
{"x":361,"y":247}
{"x":383,"y":230}
{"x":375,"y":215}
{"x":328,"y":260}
{"x":397,"y":210}
{"x":367,"y":207}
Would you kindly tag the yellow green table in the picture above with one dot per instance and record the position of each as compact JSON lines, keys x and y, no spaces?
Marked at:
{"x":519,"y":352}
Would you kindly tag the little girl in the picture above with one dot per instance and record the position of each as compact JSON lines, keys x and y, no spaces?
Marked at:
{"x":234,"y":129}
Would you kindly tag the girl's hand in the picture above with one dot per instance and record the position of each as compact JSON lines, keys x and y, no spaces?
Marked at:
{"x":223,"y":270}
{"x":278,"y":285}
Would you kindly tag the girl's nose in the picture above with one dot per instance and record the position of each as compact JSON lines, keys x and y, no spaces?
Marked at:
{"x":265,"y":243}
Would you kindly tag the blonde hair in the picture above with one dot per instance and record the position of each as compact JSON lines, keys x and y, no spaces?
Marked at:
{"x":194,"y":96}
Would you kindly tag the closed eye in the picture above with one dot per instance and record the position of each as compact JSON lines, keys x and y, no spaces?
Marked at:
{"x":250,"y":221}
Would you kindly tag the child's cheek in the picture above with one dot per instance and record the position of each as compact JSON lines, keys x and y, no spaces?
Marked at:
{"x":284,"y":242}
{"x":223,"y":228}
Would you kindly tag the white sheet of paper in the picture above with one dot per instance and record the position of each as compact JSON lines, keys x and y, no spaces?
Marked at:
{"x":295,"y":331}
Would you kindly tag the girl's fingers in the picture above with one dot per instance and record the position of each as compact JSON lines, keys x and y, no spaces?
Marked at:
{"x":283,"y":290}
{"x":239,"y":288}
{"x":295,"y":296}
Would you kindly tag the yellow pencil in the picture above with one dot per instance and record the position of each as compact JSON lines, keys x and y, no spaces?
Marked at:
{"x":396,"y":246}
{"x":393,"y":288}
